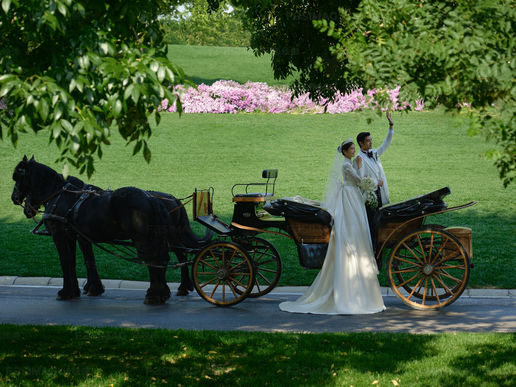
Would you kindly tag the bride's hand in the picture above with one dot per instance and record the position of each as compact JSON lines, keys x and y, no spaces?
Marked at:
{"x":359,"y":161}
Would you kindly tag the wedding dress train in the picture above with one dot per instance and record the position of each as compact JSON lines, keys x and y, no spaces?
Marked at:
{"x":347,"y":282}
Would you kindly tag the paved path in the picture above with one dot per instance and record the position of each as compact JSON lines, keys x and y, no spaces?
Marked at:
{"x":32,"y":301}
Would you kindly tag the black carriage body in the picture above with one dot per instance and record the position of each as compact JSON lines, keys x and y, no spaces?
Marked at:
{"x":309,"y":224}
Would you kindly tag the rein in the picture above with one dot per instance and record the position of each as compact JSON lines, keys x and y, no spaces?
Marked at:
{"x":171,"y":200}
{"x":52,"y":196}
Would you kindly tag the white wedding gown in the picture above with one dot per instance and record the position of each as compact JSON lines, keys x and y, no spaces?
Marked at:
{"x":347,"y":282}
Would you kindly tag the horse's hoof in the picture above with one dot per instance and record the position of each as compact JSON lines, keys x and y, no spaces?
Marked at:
{"x":94,"y":290}
{"x":182,"y":292}
{"x":95,"y":293}
{"x":66,"y":296}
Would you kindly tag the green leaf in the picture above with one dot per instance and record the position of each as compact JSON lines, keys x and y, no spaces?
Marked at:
{"x":58,"y":112}
{"x":75,"y":147}
{"x":135,"y":94}
{"x":56,"y":131}
{"x":62,"y":8}
{"x":5,"y":77}
{"x":90,"y":168}
{"x":6,"y":4}
{"x":146,"y":152}
{"x":104,"y":48}
{"x":43,"y":109}
{"x":128,"y":91}
{"x":161,"y":73}
{"x":118,"y":106}
{"x":4,"y":90}
{"x":66,"y":170}
{"x":73,"y":85}
{"x":137,"y":147}
{"x":84,"y":61}
{"x":154,"y":66}
{"x":66,"y":125}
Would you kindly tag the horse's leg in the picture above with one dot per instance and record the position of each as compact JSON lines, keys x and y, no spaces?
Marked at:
{"x":93,"y":286}
{"x":65,"y":245}
{"x":186,"y":280}
{"x":158,"y":292}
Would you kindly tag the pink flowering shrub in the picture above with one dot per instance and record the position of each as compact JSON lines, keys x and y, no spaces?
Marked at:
{"x":233,"y":97}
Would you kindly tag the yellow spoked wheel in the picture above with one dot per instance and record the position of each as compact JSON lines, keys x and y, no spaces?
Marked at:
{"x":267,"y":262}
{"x":223,"y":273}
{"x":428,"y":269}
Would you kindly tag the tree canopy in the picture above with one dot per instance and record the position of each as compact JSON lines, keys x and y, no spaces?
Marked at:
{"x":80,"y":69}
{"x":459,"y":54}
{"x":196,"y":23}
{"x":284,"y":29}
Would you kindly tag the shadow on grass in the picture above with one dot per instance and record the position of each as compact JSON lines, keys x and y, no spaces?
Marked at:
{"x":485,"y":361}
{"x":64,"y":356}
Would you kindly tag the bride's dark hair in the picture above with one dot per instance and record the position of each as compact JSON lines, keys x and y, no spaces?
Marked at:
{"x":345,"y":146}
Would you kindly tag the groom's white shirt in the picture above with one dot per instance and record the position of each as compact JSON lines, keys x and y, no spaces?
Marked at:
{"x":373,"y":167}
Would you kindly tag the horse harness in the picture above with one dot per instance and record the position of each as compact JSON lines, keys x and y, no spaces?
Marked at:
{"x":74,"y":211}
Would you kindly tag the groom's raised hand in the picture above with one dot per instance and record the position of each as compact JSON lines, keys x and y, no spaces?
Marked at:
{"x":388,"y":115}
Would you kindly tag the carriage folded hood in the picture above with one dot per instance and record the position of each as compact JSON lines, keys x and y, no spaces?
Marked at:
{"x":420,"y":205}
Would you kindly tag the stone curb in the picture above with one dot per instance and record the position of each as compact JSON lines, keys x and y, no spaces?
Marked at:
{"x":143,"y":285}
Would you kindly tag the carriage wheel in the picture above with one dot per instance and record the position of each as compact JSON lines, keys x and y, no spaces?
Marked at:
{"x":428,"y":269}
{"x":267,"y":262}
{"x":223,"y":273}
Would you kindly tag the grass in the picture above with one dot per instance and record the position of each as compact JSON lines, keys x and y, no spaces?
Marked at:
{"x":56,"y":356}
{"x":206,"y":65}
{"x":430,"y":150}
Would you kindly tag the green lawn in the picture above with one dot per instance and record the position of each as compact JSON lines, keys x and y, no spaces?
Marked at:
{"x":59,"y":356}
{"x":429,"y":151}
{"x":205,"y":64}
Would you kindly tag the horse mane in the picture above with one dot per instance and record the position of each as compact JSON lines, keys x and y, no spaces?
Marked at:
{"x":45,"y":170}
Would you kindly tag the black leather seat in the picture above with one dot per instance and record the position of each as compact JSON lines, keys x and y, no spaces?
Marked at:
{"x":299,"y":211}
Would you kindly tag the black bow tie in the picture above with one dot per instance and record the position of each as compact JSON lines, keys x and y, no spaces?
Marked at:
{"x":369,"y":154}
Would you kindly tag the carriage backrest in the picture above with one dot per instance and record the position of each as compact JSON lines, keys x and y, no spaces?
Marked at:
{"x":270,"y":174}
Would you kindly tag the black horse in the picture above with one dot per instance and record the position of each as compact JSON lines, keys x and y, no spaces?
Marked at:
{"x":153,"y":221}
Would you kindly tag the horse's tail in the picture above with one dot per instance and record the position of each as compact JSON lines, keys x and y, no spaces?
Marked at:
{"x":180,"y":232}
{"x":190,"y":239}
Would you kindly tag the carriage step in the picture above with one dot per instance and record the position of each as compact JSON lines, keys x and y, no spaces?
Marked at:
{"x":214,"y":224}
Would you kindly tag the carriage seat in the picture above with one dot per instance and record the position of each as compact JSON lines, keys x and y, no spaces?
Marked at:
{"x":256,"y":197}
{"x":299,"y":210}
{"x":252,"y":197}
{"x":420,"y":205}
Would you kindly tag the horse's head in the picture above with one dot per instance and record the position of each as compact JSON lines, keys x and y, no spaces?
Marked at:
{"x":21,"y":181}
{"x":34,"y":183}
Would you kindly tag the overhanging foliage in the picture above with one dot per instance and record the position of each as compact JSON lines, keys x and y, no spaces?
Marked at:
{"x":80,"y":69}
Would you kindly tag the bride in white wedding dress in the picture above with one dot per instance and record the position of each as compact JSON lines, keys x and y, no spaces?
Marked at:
{"x":347,"y":282}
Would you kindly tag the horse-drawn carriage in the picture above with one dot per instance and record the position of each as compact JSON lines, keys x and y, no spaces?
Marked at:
{"x":428,"y":265}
